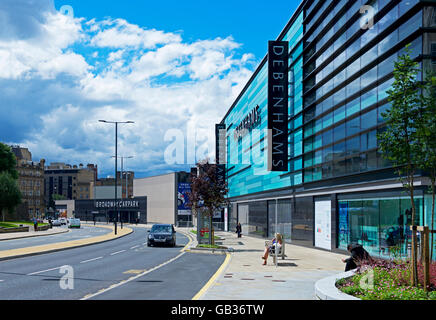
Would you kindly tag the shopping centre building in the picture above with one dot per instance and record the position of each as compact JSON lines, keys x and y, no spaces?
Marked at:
{"x":331,"y":186}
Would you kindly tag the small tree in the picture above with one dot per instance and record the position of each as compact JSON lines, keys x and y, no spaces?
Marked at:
{"x":208,"y":192}
{"x":399,"y":142}
{"x":427,"y":134}
{"x":10,"y":195}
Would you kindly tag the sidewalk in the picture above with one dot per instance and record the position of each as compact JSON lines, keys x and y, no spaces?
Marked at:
{"x":245,"y":278}
{"x":31,"y":233}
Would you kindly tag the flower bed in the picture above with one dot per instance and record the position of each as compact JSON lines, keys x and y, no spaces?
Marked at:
{"x":388,"y":280}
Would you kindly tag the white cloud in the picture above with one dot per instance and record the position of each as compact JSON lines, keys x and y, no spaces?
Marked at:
{"x":46,"y":54}
{"x":118,"y":33}
{"x":151,"y":77}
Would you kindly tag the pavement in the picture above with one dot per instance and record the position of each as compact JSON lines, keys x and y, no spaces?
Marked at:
{"x":243,"y":277}
{"x":32,"y":233}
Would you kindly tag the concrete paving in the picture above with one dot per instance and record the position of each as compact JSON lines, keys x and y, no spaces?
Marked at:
{"x":245,"y":278}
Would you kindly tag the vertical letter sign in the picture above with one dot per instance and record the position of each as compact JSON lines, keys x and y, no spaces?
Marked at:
{"x":278,"y":105}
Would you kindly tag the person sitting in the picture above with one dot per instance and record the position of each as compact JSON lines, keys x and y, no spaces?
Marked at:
{"x":276,"y":243}
{"x":358,"y":255}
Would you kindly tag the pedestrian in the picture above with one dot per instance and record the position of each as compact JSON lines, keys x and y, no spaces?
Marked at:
{"x":358,"y":256}
{"x":239,"y":229}
{"x":276,"y":244}
{"x":35,"y":224}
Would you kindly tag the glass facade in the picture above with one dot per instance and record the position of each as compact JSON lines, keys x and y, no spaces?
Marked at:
{"x":339,"y":76}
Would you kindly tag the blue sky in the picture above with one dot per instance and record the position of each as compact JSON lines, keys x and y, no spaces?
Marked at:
{"x":173,"y":67}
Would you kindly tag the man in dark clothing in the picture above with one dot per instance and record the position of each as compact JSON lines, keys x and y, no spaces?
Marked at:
{"x":358,"y":253}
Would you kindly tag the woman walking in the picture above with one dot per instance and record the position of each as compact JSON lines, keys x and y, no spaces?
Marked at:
{"x":239,"y":229}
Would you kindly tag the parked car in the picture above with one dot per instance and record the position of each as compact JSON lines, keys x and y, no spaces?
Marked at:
{"x":73,"y":223}
{"x":162,"y":234}
{"x":63,"y":220}
{"x":56,"y":223}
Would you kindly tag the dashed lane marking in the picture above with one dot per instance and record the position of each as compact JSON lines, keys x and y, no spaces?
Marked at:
{"x":33,"y":273}
{"x":116,"y":285}
{"x":114,"y":253}
{"x":91,"y":260}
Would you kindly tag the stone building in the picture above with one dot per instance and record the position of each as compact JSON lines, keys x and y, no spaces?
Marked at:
{"x":69,"y":182}
{"x":31,"y":184}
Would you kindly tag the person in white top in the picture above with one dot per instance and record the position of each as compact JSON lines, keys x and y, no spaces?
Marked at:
{"x":276,"y":243}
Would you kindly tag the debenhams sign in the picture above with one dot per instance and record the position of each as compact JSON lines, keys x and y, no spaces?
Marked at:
{"x":120,"y":204}
{"x":251,"y":120}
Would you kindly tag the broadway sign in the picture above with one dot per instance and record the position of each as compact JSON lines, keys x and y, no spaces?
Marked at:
{"x":278,"y":105}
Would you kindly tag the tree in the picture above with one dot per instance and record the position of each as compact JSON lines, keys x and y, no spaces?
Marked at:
{"x":10,"y":195}
{"x":208,"y":192}
{"x":8,"y":162}
{"x":400,"y":142}
{"x":427,"y":134}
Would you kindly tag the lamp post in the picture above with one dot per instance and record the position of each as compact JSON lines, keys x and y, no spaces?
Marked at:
{"x":129,"y":157}
{"x":116,"y":164}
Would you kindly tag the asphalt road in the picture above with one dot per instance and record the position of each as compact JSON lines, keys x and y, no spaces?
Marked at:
{"x":74,"y":234}
{"x":100,"y":269}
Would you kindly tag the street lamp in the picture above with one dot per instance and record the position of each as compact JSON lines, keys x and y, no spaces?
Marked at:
{"x":116,"y":164}
{"x":129,"y":157}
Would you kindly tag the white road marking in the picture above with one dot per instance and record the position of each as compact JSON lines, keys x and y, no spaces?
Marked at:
{"x":135,"y":247}
{"x":31,"y":274}
{"x":91,"y":260}
{"x":132,"y":278}
{"x":112,"y":254}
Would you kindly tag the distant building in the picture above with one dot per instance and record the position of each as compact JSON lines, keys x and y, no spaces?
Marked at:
{"x":31,"y":184}
{"x":70,"y":182}
{"x":166,"y":198}
{"x":126,"y":186}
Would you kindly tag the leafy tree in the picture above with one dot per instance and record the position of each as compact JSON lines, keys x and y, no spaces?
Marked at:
{"x":400,"y":142}
{"x":427,"y":134}
{"x":208,"y":192}
{"x":10,"y":195}
{"x":8,"y":162}
{"x":58,"y":197}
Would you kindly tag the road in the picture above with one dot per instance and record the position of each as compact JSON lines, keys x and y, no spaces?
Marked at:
{"x":121,"y":269}
{"x":84,"y":232}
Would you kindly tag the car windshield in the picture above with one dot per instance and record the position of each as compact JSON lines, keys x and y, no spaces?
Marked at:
{"x":161,"y":229}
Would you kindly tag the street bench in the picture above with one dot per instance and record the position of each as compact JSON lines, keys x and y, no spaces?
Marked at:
{"x":281,"y":252}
